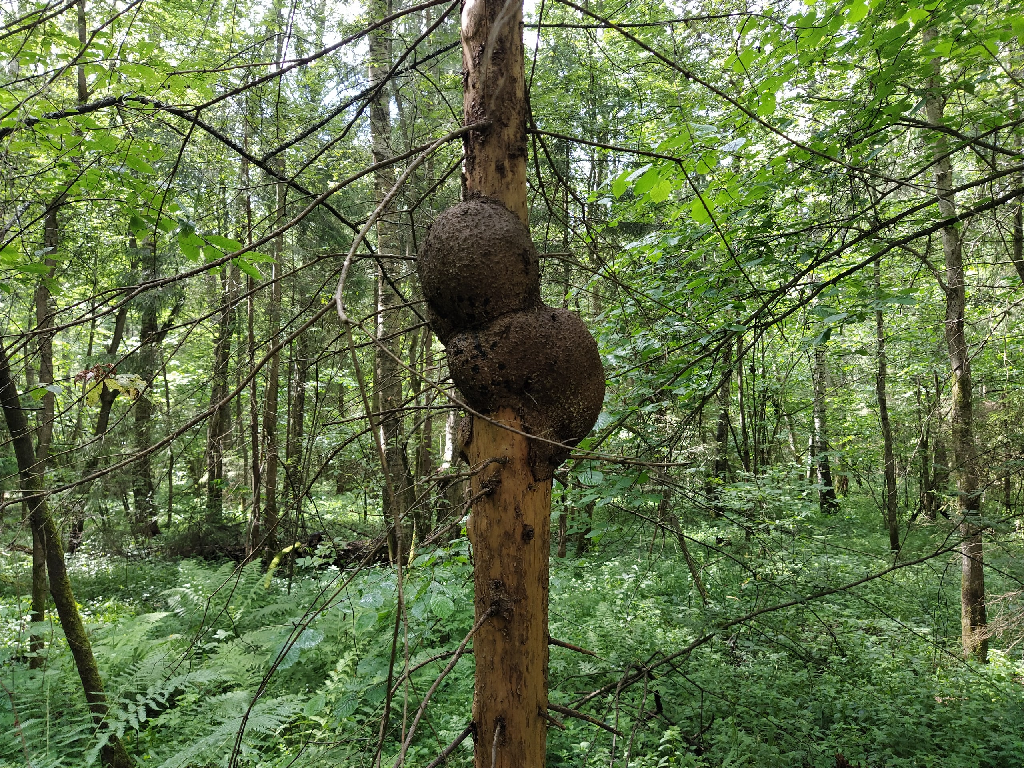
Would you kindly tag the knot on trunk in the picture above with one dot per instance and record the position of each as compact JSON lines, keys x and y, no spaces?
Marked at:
{"x":505,"y":348}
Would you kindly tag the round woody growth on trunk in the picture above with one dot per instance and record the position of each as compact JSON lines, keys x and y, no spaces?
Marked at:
{"x":544,"y":363}
{"x":477,"y":264}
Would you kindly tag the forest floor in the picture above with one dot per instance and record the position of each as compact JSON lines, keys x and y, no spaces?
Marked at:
{"x":871,"y":672}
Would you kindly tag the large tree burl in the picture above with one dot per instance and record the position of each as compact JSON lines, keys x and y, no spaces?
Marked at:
{"x":477,"y":264}
{"x":544,"y":363}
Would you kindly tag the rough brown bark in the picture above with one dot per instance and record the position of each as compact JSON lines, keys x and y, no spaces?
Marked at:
{"x":113,"y":754}
{"x":510,"y":530}
{"x":972,"y":598}
{"x":889,"y":498}
{"x":510,"y":525}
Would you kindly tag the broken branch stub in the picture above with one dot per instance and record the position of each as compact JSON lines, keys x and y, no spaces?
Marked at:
{"x":505,"y":348}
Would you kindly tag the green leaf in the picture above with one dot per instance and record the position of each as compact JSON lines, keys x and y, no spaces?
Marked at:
{"x":248,"y":268}
{"x":647,"y":182}
{"x":699,"y":211}
{"x":857,"y":11}
{"x":442,"y":606}
{"x":348,"y":705}
{"x":224,"y":243}
{"x":621,"y":184}
{"x":136,"y":163}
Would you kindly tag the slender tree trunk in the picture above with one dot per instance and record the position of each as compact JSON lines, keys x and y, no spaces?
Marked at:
{"x":294,"y":454}
{"x":107,"y":397}
{"x":113,"y":754}
{"x":972,"y":597}
{"x":926,"y":503}
{"x":721,"y":463}
{"x":255,"y":528}
{"x":44,"y":307}
{"x":667,"y":516}
{"x":741,"y":407}
{"x":510,"y":526}
{"x":388,"y":377}
{"x":425,"y":439}
{"x":268,"y":533}
{"x":890,"y":498}
{"x":219,"y":425}
{"x":143,"y":486}
{"x":827,"y":493}
{"x":1017,"y":238}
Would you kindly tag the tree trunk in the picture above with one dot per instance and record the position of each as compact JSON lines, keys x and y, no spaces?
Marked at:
{"x":423,"y":520}
{"x":741,"y":406}
{"x":721,"y":463}
{"x":972,"y":596}
{"x":827,"y":493}
{"x":44,"y":426}
{"x":143,"y":486}
{"x":926,"y":503}
{"x":1017,"y":238}
{"x":510,"y":526}
{"x":294,"y":455}
{"x":388,"y":377}
{"x":113,"y":754}
{"x":890,"y":498}
{"x":268,"y":533}
{"x":667,"y":516}
{"x":219,"y":425}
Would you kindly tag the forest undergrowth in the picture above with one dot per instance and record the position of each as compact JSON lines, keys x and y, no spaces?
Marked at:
{"x":298,"y":659}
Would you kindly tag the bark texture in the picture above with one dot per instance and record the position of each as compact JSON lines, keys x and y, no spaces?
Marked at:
{"x":972,"y":595}
{"x":510,"y":532}
{"x":510,"y":523}
{"x":494,"y":89}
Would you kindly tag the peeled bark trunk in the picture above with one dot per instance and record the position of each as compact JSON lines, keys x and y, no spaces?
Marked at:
{"x":972,"y":597}
{"x":827,"y":493}
{"x":113,"y":754}
{"x":510,"y":525}
{"x":889,"y":497}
